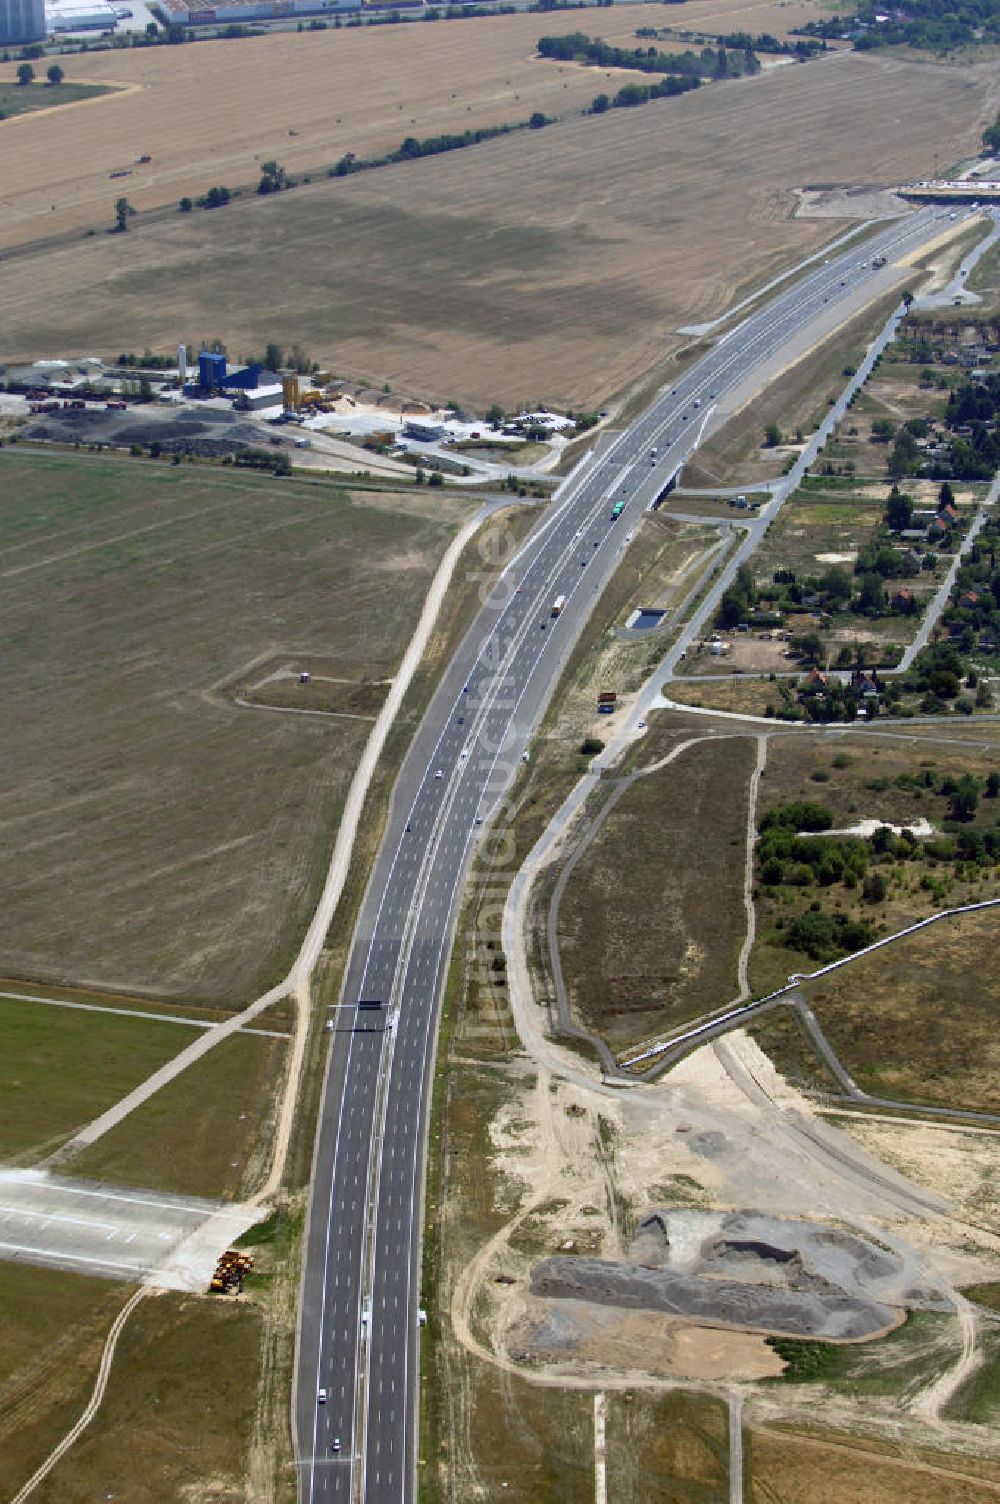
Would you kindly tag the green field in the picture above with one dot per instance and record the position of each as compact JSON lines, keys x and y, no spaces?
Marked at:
{"x":159,"y":837}
{"x":23,"y":99}
{"x":206,"y":1133}
{"x":60,"y":1067}
{"x":53,"y":1328}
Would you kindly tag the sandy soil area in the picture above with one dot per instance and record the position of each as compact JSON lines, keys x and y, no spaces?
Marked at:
{"x":581,"y":1164}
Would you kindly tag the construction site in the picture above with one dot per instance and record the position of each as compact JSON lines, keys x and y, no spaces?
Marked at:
{"x":216,"y":411}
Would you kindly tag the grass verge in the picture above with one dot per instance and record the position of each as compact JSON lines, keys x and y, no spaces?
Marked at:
{"x":61,"y":1067}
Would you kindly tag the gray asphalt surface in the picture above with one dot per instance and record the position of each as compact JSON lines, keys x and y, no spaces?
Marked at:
{"x":359,"y":1330}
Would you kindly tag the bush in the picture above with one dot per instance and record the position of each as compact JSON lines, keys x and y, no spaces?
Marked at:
{"x":798,"y":815}
{"x":825,"y":936}
{"x":591,"y":745}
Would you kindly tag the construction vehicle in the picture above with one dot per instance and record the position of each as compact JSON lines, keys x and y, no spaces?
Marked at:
{"x":230,"y":1272}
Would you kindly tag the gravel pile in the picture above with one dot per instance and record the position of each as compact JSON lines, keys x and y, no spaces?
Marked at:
{"x":795,"y":1313}
{"x":748,"y":1269}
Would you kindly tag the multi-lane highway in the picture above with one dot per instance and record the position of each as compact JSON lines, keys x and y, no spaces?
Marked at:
{"x":357,"y":1371}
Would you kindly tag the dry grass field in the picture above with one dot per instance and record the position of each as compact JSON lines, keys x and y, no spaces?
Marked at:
{"x":652,"y":918}
{"x":804,"y":1467}
{"x":53,"y":1329}
{"x":177,"y":1419}
{"x":551,"y":264}
{"x":158,"y":837}
{"x":669,"y":1447}
{"x":304,"y":99}
{"x":918,"y":1020}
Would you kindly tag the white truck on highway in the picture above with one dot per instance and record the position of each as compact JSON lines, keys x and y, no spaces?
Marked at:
{"x":557,"y":605}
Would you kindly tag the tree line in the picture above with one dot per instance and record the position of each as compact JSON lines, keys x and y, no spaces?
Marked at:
{"x":577,"y":47}
{"x":412,"y":148}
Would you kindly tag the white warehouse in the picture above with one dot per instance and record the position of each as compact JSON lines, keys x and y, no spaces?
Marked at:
{"x":22,"y":21}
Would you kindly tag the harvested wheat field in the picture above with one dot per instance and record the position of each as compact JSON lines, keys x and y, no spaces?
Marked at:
{"x":552,"y":264}
{"x":301,"y":99}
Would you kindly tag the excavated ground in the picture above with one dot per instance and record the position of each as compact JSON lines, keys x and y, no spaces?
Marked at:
{"x":743,"y":1270}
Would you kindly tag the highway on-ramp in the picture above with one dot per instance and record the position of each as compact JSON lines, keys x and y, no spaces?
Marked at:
{"x":359,"y":1322}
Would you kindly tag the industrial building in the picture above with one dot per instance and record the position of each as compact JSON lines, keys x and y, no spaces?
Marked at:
{"x":81,"y":15}
{"x":415,"y":428}
{"x":22,"y":21}
{"x":215,"y":376}
{"x":198,"y":13}
{"x":261,"y":397}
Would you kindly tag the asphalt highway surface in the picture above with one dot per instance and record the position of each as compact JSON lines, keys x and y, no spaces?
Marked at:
{"x":359,"y":1334}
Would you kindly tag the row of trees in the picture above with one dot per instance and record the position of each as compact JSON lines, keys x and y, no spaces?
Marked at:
{"x":972,"y":618}
{"x":412,"y":147}
{"x":577,"y":47}
{"x":630,"y":95}
{"x":742,"y":41}
{"x":991,"y":136}
{"x":26,"y":74}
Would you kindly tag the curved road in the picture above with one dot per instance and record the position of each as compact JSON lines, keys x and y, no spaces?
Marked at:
{"x":359,"y":1320}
